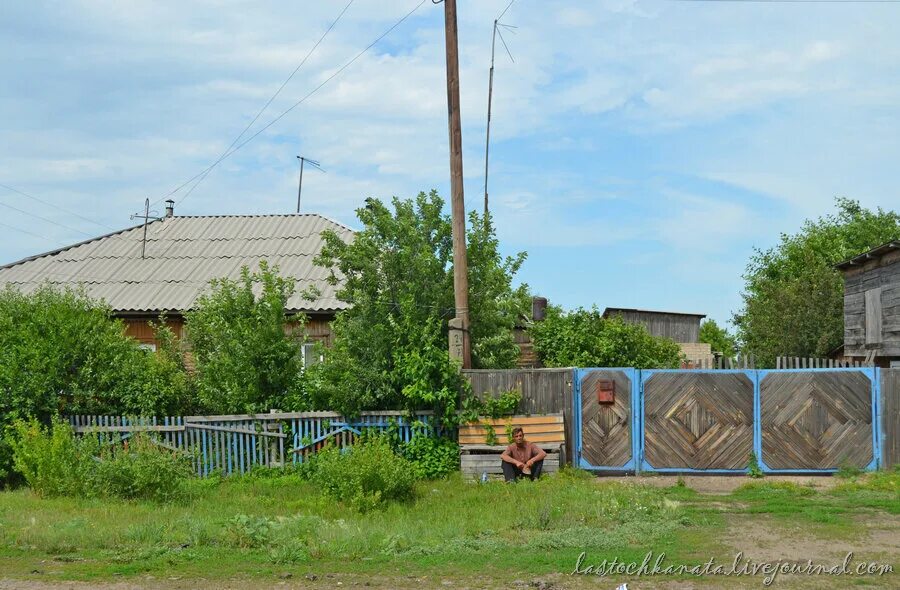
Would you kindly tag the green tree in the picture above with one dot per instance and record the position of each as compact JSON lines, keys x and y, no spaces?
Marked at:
{"x":247,"y":349}
{"x":64,"y":353}
{"x":390,"y":347}
{"x":584,"y":338}
{"x":793,"y":296}
{"x":718,"y":338}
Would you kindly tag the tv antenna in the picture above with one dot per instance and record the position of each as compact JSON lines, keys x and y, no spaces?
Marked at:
{"x":315,"y":165}
{"x":487,"y":142}
{"x":146,"y":217}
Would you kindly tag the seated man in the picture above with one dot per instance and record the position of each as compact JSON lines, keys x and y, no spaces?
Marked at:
{"x":522,"y":458}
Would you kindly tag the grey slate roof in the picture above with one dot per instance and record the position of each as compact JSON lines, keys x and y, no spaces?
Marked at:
{"x":182,"y":255}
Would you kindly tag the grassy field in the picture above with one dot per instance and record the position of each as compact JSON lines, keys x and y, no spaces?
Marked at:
{"x":256,"y":530}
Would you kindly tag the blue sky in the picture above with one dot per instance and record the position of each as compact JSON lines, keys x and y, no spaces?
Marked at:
{"x":640,"y":149}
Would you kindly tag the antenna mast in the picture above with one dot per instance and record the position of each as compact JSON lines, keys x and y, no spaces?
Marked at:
{"x":146,"y":217}
{"x":300,"y":185}
{"x":487,"y":141}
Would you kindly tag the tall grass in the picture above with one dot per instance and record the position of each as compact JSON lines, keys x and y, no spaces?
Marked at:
{"x":286,"y":520}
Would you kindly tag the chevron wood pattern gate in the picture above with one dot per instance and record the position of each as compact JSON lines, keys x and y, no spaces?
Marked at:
{"x":606,"y":427}
{"x":698,"y":420}
{"x":816,"y":420}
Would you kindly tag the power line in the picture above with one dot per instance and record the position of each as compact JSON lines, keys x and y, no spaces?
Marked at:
{"x":67,"y":212}
{"x":25,"y":231}
{"x":299,"y":102}
{"x":45,"y":219}
{"x":268,"y":102}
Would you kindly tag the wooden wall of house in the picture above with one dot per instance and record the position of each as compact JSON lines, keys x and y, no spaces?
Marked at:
{"x":678,"y":327}
{"x":872,"y":307}
{"x":318,"y":328}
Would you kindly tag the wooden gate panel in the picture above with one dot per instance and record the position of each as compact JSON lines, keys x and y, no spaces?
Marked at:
{"x":816,"y":420}
{"x":698,"y":420}
{"x":606,"y":427}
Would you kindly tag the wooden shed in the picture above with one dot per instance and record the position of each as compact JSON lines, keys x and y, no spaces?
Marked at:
{"x":683,"y":328}
{"x":872,"y":305}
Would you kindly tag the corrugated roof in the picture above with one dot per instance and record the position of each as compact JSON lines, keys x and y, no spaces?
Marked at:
{"x":610,"y":310}
{"x":182,"y":255}
{"x":866,"y":256}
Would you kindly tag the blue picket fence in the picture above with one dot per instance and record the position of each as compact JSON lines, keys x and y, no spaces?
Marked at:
{"x":235,"y":443}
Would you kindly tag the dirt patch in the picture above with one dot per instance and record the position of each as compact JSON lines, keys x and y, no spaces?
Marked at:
{"x":761,"y":539}
{"x":722,"y":484}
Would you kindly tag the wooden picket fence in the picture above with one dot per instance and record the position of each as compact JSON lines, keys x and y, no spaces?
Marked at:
{"x":794,"y":362}
{"x":721,"y":363}
{"x":235,"y":443}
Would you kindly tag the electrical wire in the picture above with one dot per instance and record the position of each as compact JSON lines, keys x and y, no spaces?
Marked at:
{"x":299,"y":102}
{"x":268,"y":102}
{"x":33,"y":198}
{"x":36,"y":216}
{"x":25,"y":231}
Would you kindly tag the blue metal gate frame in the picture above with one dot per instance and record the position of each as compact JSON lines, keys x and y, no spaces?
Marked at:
{"x":633,"y":421}
{"x":647,"y":374}
{"x":873,"y":374}
{"x":639,"y":378}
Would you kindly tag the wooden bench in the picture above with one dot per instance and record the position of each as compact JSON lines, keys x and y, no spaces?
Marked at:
{"x":477,"y":456}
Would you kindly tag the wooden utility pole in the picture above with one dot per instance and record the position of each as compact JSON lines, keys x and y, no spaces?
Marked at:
{"x":459,"y":326}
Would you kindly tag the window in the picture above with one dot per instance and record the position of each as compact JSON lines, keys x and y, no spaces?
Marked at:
{"x":310,"y":355}
{"x":148,"y":346}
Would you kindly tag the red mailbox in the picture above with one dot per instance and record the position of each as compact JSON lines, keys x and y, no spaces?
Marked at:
{"x":606,"y":391}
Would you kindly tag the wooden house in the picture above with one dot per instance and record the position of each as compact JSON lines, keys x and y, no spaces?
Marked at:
{"x":141,"y":278}
{"x":872,"y":305}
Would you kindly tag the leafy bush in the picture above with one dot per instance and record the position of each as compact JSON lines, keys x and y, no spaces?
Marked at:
{"x":504,"y":404}
{"x":52,"y":460}
{"x":432,"y":457}
{"x":584,"y":338}
{"x":141,"y":469}
{"x":246,"y":361}
{"x":55,"y":462}
{"x":366,"y":475}
{"x":390,"y":346}
{"x":65,"y":353}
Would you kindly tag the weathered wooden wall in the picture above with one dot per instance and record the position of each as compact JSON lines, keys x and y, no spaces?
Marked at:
{"x":676,"y":326}
{"x":872,"y":299}
{"x":318,"y":328}
{"x":816,"y":420}
{"x":606,"y":427}
{"x":696,"y":420}
{"x":543,"y":391}
{"x":890,"y":417}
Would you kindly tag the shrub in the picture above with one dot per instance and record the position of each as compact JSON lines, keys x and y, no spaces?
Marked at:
{"x":52,"y":460}
{"x":55,"y":462}
{"x":366,"y":475}
{"x":246,"y":360}
{"x":432,"y":457}
{"x":64,"y":353}
{"x":141,"y":469}
{"x":584,"y":338}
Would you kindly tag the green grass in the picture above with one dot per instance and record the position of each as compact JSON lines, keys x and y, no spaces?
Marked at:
{"x":265,"y":525}
{"x":257,"y":527}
